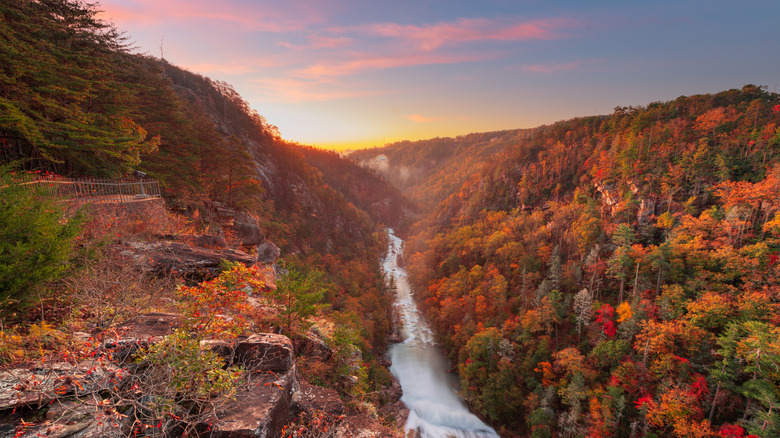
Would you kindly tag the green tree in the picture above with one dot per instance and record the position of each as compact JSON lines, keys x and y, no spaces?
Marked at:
{"x":36,"y":239}
{"x":621,"y":260}
{"x":751,"y":364}
{"x":298,"y":293}
{"x":489,"y":377}
{"x":60,"y":106}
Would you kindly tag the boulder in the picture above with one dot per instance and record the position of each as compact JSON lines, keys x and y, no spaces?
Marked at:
{"x":311,"y":345}
{"x":311,"y":399}
{"x":268,"y":252}
{"x":223,"y":348}
{"x":247,"y":230}
{"x":260,"y":408}
{"x":265,"y":352}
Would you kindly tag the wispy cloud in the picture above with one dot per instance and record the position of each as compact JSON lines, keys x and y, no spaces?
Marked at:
{"x":370,"y":62}
{"x":466,"y":30}
{"x":315,"y":42}
{"x":392,"y":45}
{"x":235,"y":68}
{"x":419,"y":118}
{"x":291,"y":90}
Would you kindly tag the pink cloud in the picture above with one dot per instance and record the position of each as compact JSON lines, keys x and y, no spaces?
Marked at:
{"x":298,"y":90}
{"x":319,"y":42}
{"x":366,"y":62}
{"x":419,"y":118}
{"x":464,"y":30}
{"x":235,"y":68}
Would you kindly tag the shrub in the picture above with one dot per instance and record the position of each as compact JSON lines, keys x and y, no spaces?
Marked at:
{"x":36,"y":239}
{"x":219,"y":307}
{"x":180,"y":385}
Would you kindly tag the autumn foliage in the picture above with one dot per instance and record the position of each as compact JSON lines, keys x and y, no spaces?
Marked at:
{"x":617,"y":275}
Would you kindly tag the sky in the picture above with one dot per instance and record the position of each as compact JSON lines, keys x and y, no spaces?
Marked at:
{"x":348,"y":74}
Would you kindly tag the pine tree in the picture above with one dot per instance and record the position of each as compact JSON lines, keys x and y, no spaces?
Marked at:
{"x":36,"y":240}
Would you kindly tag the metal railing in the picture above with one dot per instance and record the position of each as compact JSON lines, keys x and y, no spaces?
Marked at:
{"x":96,"y":190}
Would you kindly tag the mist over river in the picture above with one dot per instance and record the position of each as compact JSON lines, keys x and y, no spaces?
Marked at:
{"x":435,"y":409}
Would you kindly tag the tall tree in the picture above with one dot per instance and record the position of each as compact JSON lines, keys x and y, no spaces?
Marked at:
{"x":621,"y":260}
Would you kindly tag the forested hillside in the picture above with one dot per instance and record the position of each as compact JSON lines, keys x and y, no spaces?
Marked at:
{"x":75,"y":101}
{"x":430,"y":170}
{"x":363,"y":187}
{"x":617,"y":275}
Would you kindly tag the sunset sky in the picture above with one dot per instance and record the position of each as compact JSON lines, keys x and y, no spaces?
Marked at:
{"x":357,"y":73}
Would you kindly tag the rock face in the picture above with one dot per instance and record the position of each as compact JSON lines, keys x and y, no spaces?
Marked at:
{"x":265,"y":352}
{"x":177,"y":257}
{"x":609,"y":195}
{"x":246,"y":230}
{"x":310,"y":399}
{"x":311,"y":345}
{"x":260,"y":409}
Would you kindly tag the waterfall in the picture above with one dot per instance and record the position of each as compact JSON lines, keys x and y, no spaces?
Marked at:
{"x":435,"y":409}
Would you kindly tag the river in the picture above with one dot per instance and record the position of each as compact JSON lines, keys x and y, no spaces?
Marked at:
{"x":429,"y":391}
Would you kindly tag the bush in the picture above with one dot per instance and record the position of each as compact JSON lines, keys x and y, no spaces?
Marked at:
{"x":36,"y":239}
{"x":180,"y":384}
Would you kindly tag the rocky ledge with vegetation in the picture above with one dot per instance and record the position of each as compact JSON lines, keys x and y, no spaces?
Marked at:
{"x":156,"y":332}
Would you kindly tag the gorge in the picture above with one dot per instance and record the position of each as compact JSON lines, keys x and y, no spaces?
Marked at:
{"x":435,"y":409}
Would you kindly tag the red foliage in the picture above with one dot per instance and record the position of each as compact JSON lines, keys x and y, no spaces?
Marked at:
{"x":642,"y":401}
{"x":732,"y":431}
{"x":699,"y":387}
{"x":605,"y":316}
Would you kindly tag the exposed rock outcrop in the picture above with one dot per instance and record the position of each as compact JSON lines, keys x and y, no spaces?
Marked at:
{"x":72,"y":419}
{"x":265,"y":352}
{"x":209,"y":241}
{"x":247,"y":230}
{"x":260,"y":408}
{"x":310,"y":399}
{"x":37,"y":387}
{"x":181,"y":258}
{"x":311,"y":345}
{"x":609,"y":195}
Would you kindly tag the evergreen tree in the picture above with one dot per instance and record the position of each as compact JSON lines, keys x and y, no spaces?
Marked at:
{"x":298,"y":293}
{"x":36,"y":239}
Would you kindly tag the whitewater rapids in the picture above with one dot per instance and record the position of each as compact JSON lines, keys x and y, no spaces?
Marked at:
{"x":435,"y":409}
